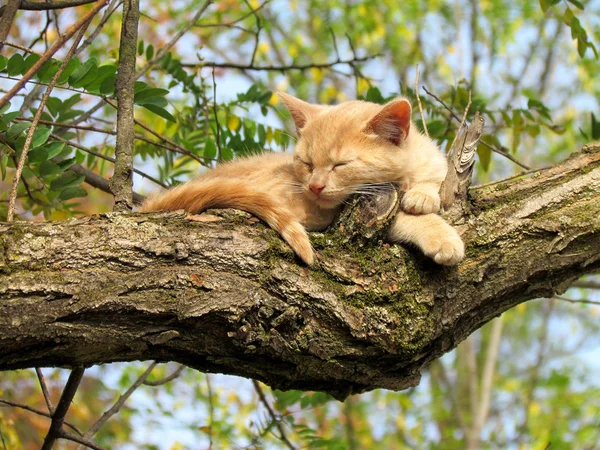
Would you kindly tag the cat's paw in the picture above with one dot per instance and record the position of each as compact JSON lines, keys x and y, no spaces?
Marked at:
{"x":447,"y":250}
{"x":416,"y":201}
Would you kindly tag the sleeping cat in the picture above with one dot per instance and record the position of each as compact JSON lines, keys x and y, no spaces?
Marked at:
{"x":341,"y":150}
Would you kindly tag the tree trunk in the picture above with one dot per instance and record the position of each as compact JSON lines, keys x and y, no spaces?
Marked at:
{"x":222,"y":293}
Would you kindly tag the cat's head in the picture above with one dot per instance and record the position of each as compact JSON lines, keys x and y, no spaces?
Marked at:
{"x":346,"y":149}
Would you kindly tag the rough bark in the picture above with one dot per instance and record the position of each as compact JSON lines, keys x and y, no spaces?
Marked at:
{"x":121,"y":183}
{"x":225,"y":294}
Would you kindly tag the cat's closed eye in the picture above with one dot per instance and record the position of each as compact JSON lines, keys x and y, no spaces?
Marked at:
{"x":341,"y":164}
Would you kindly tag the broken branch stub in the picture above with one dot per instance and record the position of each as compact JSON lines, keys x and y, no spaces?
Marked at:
{"x":460,"y":163}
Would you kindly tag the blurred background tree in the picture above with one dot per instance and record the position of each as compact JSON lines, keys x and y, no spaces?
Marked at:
{"x":206,"y":74}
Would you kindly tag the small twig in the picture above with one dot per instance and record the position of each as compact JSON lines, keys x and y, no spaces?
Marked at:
{"x":28,"y":5}
{"x":63,"y":406}
{"x":462,"y":124}
{"x":281,"y":68}
{"x":175,"y":147}
{"x":58,"y":44}
{"x":44,"y":388}
{"x":2,"y":436}
{"x":94,"y":34}
{"x":211,"y":411}
{"x":20,"y":47}
{"x":421,"y":106}
{"x":491,"y":147}
{"x":119,"y":403}
{"x":256,"y":34}
{"x":502,"y":180}
{"x":99,"y":182}
{"x":239,"y":19}
{"x":71,"y":437}
{"x":217,"y":126}
{"x":166,"y":379}
{"x":586,"y":285}
{"x":38,"y":115}
{"x":570,"y":300}
{"x":106,"y":158}
{"x":163,"y":51}
{"x":38,"y":412}
{"x":274,"y":418}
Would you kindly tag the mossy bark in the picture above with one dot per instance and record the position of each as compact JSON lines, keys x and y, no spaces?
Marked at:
{"x":223,"y":293}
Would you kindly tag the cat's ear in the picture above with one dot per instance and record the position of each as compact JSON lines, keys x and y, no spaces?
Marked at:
{"x":301,"y":111}
{"x":392,"y":122}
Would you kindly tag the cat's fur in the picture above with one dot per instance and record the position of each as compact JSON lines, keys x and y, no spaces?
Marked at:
{"x":341,"y":150}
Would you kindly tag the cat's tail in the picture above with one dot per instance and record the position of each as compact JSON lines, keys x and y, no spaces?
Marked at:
{"x":197,"y":196}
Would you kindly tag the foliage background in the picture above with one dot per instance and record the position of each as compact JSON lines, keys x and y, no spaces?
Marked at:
{"x":532,"y":70}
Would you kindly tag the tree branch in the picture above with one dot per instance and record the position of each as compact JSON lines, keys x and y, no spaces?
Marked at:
{"x":121,"y":183}
{"x":224,"y":294}
{"x":64,"y":403}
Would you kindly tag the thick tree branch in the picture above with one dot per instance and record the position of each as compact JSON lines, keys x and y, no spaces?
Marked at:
{"x":222,"y":293}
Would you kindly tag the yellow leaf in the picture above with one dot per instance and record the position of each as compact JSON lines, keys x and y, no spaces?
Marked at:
{"x":274,"y":100}
{"x":534,"y":409}
{"x":254,"y":3}
{"x":293,"y":50}
{"x":263,"y":48}
{"x":521,"y":307}
{"x":269,"y":134}
{"x":233,"y":123}
{"x":363,"y":86}
{"x":317,"y":74}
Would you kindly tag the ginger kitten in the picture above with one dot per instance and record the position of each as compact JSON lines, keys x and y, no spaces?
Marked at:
{"x":341,"y":150}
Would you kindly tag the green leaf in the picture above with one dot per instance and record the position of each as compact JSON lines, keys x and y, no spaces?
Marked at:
{"x":72,"y":192}
{"x":48,"y":70}
{"x":374,"y":95}
{"x":3,"y":62}
{"x":158,"y":101}
{"x":54,"y":105}
{"x":5,"y":108}
{"x":37,"y":155}
{"x":148,"y":93}
{"x":595,"y":128}
{"x":485,"y":157}
{"x":49,"y":168}
{"x":64,"y":165}
{"x":140,"y":48}
{"x":15,"y":65}
{"x":210,"y":148}
{"x":3,"y":163}
{"x":102,"y":74}
{"x":40,"y":136}
{"x":72,"y":66}
{"x":108,"y":85}
{"x":54,"y":148}
{"x":577,"y":4}
{"x":66,"y":180}
{"x":84,"y":73}
{"x":15,"y":130}
{"x":436,"y":128}
{"x":30,"y":61}
{"x":581,"y":47}
{"x":71,"y":101}
{"x":160,"y":112}
{"x":226,"y":154}
{"x":9,"y":117}
{"x":568,"y":16}
{"x":69,"y":114}
{"x":149,"y":52}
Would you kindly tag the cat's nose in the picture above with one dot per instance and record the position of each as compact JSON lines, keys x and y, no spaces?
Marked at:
{"x":316,"y":188}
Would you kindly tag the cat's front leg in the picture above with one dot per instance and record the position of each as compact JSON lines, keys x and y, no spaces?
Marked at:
{"x":436,"y":238}
{"x":422,"y":198}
